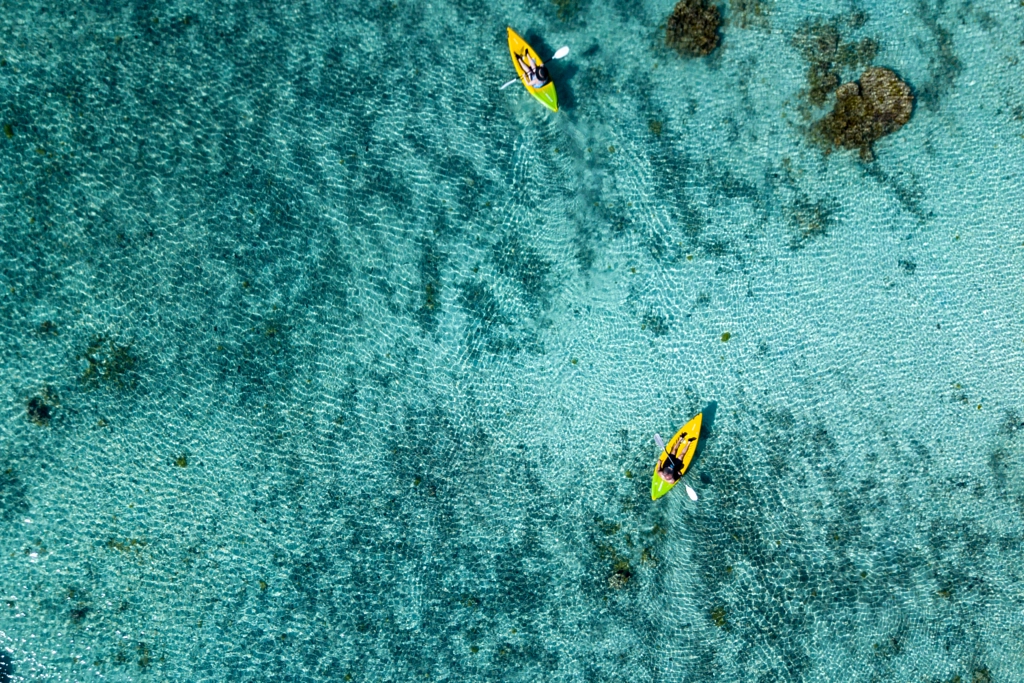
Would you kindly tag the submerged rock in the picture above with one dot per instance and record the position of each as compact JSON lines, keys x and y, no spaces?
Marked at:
{"x":692,"y":28}
{"x":879,"y":104}
{"x":38,"y":411}
{"x":619,"y":578}
{"x":40,"y":408}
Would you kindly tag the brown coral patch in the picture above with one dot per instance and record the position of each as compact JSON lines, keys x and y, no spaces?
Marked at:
{"x":879,"y":104}
{"x":692,"y":28}
{"x":827,"y":55}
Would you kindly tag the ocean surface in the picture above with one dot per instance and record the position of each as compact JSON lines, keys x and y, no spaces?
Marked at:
{"x":323,"y":358}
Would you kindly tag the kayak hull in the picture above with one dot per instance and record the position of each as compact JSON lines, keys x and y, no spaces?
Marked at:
{"x":519,"y":47}
{"x":659,"y":487}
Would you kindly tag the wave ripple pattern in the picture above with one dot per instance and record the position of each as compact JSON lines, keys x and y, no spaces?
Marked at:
{"x":325,"y":359}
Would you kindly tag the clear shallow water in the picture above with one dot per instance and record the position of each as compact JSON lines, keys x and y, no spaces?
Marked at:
{"x":348,"y":355}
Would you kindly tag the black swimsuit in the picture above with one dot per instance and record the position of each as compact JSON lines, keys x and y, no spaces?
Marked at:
{"x":672,"y":466}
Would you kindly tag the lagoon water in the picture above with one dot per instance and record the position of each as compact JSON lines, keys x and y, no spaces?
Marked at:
{"x":324,"y":359}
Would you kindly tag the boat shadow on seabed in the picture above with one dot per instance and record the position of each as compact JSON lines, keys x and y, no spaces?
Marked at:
{"x":705,"y":435}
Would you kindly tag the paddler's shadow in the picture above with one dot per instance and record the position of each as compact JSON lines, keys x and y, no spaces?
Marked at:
{"x":707,"y":422}
{"x":561,"y":72}
{"x":561,"y":76}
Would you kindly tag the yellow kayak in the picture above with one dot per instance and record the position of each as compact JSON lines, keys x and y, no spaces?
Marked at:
{"x":690,"y":430}
{"x":532,"y":72}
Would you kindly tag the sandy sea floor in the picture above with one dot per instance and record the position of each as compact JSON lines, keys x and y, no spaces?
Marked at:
{"x":324,"y":359}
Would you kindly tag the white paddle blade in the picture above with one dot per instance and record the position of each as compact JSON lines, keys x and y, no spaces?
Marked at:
{"x":561,"y":52}
{"x":508,"y":84}
{"x":690,"y":492}
{"x":658,"y":442}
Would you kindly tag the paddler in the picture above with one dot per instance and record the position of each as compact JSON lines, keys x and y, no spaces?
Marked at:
{"x":536,"y":74}
{"x":672,"y":466}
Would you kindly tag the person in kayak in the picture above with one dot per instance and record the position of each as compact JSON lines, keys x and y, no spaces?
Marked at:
{"x":536,"y":74}
{"x":672,"y":466}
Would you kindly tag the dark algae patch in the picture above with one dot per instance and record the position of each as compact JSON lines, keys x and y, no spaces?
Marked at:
{"x":621,"y":574}
{"x":109,"y":363}
{"x":13,"y":498}
{"x":944,"y":66}
{"x":40,"y":408}
{"x":879,"y":104}
{"x":127,"y":546}
{"x":692,"y":28}
{"x":748,"y":13}
{"x":567,"y":9}
{"x":47,"y":329}
{"x":808,"y":219}
{"x":38,"y":411}
{"x":828,"y":55}
{"x":657,"y":324}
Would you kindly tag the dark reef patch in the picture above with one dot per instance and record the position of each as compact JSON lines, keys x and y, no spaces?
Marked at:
{"x":47,"y":329}
{"x":38,"y":411}
{"x":808,"y":220}
{"x":904,"y":187}
{"x":565,"y":10}
{"x":40,"y":408}
{"x":907,"y":265}
{"x":879,"y":104}
{"x":828,"y":55}
{"x":1012,"y":425}
{"x":943,"y":65}
{"x":748,"y":14}
{"x":981,"y":675}
{"x":621,"y":574}
{"x":692,"y":28}
{"x":490,"y":328}
{"x":584,"y":250}
{"x":80,"y":605}
{"x":999,"y":463}
{"x":109,"y":363}
{"x":13,"y":498}
{"x":517,"y":260}
{"x":655,"y":323}
{"x":431,"y":260}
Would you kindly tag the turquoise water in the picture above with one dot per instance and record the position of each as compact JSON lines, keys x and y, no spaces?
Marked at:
{"x":324,"y":359}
